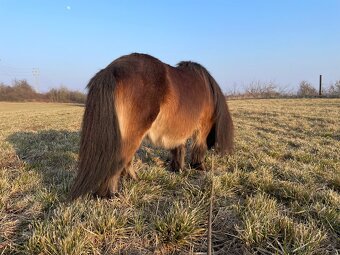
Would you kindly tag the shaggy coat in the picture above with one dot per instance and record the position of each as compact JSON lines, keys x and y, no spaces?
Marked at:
{"x":137,"y":96}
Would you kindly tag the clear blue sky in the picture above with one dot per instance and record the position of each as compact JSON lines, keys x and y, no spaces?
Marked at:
{"x":237,"y":41}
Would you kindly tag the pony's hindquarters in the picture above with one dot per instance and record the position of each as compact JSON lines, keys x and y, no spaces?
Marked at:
{"x":121,"y":106}
{"x":136,"y":110}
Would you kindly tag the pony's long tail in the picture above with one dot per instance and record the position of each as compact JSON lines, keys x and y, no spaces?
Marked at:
{"x":221,"y":135}
{"x":100,"y":145}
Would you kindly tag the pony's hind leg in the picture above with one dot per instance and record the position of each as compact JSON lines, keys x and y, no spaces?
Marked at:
{"x":110,"y":186}
{"x":130,"y":172}
{"x":177,"y":161}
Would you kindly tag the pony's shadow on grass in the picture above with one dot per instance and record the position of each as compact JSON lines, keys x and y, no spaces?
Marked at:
{"x":151,"y":155}
{"x":51,"y":153}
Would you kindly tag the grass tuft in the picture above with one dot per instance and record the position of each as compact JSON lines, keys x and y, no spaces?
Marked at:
{"x":179,"y":227}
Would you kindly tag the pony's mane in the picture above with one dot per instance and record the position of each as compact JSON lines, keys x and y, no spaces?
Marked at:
{"x":201,"y":70}
{"x":194,"y":66}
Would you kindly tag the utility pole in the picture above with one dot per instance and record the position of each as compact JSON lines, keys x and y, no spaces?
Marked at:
{"x":36,"y":73}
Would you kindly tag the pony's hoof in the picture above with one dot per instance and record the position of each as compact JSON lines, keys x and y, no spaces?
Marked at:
{"x":109,"y":195}
{"x":198,"y":166}
{"x":175,"y":167}
{"x":112,"y":195}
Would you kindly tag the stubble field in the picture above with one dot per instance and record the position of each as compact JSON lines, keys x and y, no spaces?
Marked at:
{"x":279,"y":193}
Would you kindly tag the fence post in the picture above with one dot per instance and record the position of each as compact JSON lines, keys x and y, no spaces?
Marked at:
{"x":320,"y":85}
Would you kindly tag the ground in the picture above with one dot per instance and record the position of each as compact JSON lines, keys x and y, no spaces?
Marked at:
{"x":277,"y":194}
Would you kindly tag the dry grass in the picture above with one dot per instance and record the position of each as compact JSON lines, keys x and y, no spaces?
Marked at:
{"x":278,"y":194}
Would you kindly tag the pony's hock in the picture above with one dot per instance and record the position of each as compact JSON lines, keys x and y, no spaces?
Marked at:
{"x":138,"y":96}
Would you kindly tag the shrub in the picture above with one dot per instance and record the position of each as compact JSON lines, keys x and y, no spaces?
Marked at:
{"x":334,"y":90}
{"x":20,"y":91}
{"x":65,"y":95}
{"x":306,"y":90}
{"x":264,"y":90}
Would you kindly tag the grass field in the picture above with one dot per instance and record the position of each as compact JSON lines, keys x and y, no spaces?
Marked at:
{"x":278,"y":193}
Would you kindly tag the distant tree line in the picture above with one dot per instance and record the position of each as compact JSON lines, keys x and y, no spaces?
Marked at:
{"x":20,"y":91}
{"x":271,"y":90}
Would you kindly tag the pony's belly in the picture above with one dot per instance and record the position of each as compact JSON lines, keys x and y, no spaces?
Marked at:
{"x":164,"y":140}
{"x":169,"y":134}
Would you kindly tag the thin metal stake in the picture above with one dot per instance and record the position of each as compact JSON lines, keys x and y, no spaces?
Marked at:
{"x":211,"y":208}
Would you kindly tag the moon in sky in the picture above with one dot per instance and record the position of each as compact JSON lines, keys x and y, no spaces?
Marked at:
{"x":68,"y":7}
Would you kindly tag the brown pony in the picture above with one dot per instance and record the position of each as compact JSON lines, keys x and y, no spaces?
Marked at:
{"x":138,"y":96}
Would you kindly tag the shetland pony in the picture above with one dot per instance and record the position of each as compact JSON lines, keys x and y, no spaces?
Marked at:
{"x":137,"y":96}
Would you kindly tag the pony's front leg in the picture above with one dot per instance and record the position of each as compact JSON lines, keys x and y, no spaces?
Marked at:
{"x":177,"y":161}
{"x":197,"y":156}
